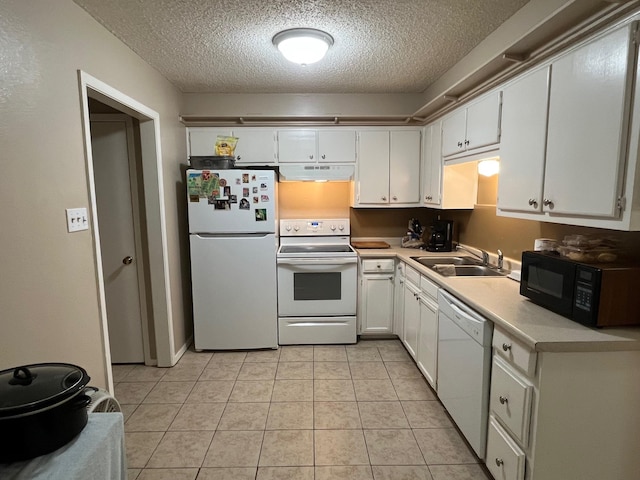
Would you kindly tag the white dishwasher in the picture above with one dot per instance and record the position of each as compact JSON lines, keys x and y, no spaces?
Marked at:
{"x":464,"y":368}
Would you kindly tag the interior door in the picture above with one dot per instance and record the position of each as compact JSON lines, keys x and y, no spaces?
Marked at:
{"x":110,"y":150}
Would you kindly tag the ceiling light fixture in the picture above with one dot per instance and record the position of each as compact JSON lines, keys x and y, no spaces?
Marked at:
{"x":489,"y":167}
{"x":303,"y":46}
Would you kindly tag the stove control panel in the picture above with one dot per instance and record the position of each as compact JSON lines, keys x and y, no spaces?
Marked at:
{"x":314,"y":227}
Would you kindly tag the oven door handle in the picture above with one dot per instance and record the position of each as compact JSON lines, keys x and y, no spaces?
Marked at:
{"x":316,"y":261}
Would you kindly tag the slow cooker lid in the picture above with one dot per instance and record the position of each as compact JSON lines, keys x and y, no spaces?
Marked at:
{"x":34,"y":387}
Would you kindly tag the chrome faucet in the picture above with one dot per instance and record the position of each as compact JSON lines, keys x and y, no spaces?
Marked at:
{"x":500,"y":259}
{"x":484,"y":256}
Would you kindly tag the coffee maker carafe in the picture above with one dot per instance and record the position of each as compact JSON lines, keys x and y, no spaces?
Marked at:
{"x":440,"y":236}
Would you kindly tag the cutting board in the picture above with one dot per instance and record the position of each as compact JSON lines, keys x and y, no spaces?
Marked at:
{"x":370,"y":245}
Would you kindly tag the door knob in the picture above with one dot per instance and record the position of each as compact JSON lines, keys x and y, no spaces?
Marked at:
{"x":127,"y":260}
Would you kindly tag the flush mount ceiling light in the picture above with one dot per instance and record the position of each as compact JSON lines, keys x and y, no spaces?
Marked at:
{"x":303,"y":46}
{"x":488,"y":167}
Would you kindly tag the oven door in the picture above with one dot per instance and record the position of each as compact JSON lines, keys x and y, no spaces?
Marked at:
{"x":317,"y":286}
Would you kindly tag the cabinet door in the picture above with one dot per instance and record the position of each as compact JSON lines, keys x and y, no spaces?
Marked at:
{"x":297,"y":146}
{"x":377,"y":307}
{"x":522,"y":146}
{"x":483,"y":122}
{"x":337,"y":146}
{"x":398,"y":300}
{"x":588,"y":123}
{"x":404,"y":167}
{"x":411,"y":318}
{"x":202,"y":140}
{"x":432,"y":165}
{"x":428,"y":339}
{"x":453,"y":132}
{"x":255,"y":145}
{"x":373,"y":167}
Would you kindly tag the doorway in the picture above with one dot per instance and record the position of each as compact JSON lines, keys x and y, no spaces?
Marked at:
{"x":152,"y":224}
{"x":115,"y":170}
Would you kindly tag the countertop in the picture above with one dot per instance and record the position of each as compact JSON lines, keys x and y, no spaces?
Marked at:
{"x":499,"y":300}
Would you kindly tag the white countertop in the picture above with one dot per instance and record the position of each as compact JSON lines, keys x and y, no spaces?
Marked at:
{"x":499,"y":299}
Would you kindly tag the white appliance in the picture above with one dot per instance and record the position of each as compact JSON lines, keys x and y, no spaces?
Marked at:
{"x":232,"y":235}
{"x":464,"y":368}
{"x":317,"y":282}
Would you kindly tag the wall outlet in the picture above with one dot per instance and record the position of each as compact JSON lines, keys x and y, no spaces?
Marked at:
{"x":77,"y":219}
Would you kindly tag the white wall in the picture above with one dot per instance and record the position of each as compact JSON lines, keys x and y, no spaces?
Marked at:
{"x":48,"y":288}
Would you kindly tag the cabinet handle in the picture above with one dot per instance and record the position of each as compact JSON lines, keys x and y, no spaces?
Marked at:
{"x":384,"y":199}
{"x":499,"y":462}
{"x":503,"y":399}
{"x":533,"y":202}
{"x":547,"y":203}
{"x":460,"y":144}
{"x":506,"y":347}
{"x":395,"y":198}
{"x":238,"y":157}
{"x":324,"y":156}
{"x":466,"y":142}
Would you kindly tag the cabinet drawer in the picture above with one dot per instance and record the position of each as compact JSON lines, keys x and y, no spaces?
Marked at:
{"x":515,"y":352}
{"x":428,"y":287}
{"x":504,"y":459}
{"x":386,"y":265}
{"x":510,"y":399}
{"x":412,"y":276}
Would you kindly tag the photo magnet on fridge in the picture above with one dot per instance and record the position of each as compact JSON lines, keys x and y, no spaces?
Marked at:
{"x":263,"y":186}
{"x":233,"y":199}
{"x":245,"y":192}
{"x":264,"y":198}
{"x":256,"y":200}
{"x":253,"y":178}
{"x":244,"y":204}
{"x":223,"y":182}
{"x":261,"y":214}
{"x":194,"y":186}
{"x":227,"y":191}
{"x":255,"y":190}
{"x":222,"y":205}
{"x":245,"y":178}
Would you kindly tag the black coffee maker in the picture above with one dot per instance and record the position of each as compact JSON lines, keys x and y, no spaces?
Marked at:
{"x":440,"y":236}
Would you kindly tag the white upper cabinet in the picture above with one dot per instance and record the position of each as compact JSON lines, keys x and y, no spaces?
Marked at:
{"x":297,"y":146}
{"x":255,"y":146}
{"x":522,"y":146}
{"x":333,"y":145}
{"x":336,"y":146}
{"x":202,"y":140}
{"x":588,"y":121}
{"x":431,"y":165}
{"x":473,"y":128}
{"x":569,"y":146}
{"x":388,"y":168}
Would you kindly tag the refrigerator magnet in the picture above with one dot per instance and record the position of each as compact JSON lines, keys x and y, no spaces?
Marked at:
{"x":245,"y":192}
{"x":263,"y":186}
{"x":227,"y":191}
{"x":253,"y":178}
{"x":264,"y":198}
{"x":238,"y":181}
{"x":233,"y":199}
{"x":245,"y":178}
{"x":194,"y":198}
{"x":255,"y":189}
{"x":261,"y":214}
{"x":211,"y":200}
{"x":194,"y":185}
{"x":244,"y":204}
{"x":223,"y":182}
{"x":256,"y":200}
{"x":222,"y":205}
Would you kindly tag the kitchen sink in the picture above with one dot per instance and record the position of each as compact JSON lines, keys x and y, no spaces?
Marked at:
{"x":459,"y":266}
{"x":457,"y":260}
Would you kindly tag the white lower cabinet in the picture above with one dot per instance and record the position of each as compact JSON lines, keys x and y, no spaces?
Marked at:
{"x":427,"y":357}
{"x":411,"y":311}
{"x":505,"y":460}
{"x":562,"y":415}
{"x":375,"y":308}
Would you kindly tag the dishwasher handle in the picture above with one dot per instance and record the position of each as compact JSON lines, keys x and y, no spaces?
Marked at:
{"x":476,"y":326}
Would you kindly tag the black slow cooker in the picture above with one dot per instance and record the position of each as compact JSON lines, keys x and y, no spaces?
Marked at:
{"x":42,"y":408}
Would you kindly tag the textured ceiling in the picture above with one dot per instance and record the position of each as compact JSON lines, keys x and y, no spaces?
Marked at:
{"x":224,"y":46}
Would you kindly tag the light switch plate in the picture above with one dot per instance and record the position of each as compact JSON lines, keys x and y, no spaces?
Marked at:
{"x":77,"y":219}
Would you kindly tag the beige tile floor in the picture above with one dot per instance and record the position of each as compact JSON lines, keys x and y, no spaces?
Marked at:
{"x":301,"y":413}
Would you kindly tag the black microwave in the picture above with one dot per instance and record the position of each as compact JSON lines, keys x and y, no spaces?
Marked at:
{"x":596,"y":295}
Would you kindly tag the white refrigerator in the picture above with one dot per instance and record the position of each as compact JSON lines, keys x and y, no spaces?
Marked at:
{"x":232,"y":236}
